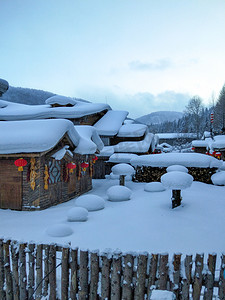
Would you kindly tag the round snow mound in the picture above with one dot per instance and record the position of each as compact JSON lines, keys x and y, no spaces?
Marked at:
{"x":59,"y":230}
{"x":118,"y":193}
{"x":123,"y":169}
{"x":154,"y":187}
{"x":218,"y":178}
{"x":177,"y":168}
{"x":77,"y":214}
{"x":176,"y":180}
{"x":127,"y":177}
{"x":90,"y":202}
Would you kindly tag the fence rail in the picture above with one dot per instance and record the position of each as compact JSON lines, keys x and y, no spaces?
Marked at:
{"x":29,"y":271}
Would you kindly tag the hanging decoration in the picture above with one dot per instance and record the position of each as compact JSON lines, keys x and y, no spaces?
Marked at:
{"x":94,"y":159}
{"x":46,"y":177}
{"x":33,"y":173}
{"x":91,"y":168}
{"x":20,"y":163}
{"x":79,"y":172}
{"x":71,"y":166}
{"x":84,"y":166}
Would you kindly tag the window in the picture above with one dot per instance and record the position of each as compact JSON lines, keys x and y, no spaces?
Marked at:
{"x":54,"y":171}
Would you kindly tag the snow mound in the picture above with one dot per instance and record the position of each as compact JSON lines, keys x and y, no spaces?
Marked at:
{"x":90,"y":202}
{"x":177,"y":168}
{"x":118,"y":193}
{"x":162,"y":295}
{"x":77,"y":214}
{"x":218,"y":178}
{"x":123,"y":169}
{"x":176,"y":180}
{"x":59,"y":230}
{"x":154,"y":187}
{"x":127,"y":177}
{"x":222,"y":168}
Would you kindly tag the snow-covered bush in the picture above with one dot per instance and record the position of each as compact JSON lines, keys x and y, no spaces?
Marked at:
{"x":90,"y":202}
{"x":218,"y":178}
{"x":77,"y":214}
{"x":177,"y":168}
{"x":122,"y":170}
{"x":154,"y":187}
{"x":59,"y":230}
{"x":118,"y":193}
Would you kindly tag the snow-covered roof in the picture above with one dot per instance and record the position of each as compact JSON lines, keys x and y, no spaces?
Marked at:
{"x":110,"y":123}
{"x":57,"y":99}
{"x":219,"y":142}
{"x":176,"y":135}
{"x":122,"y":157}
{"x":201,"y":143}
{"x":10,"y":111}
{"x":106,"y":151}
{"x":135,"y":147}
{"x":185,"y":159}
{"x":34,"y":136}
{"x":132,"y":130}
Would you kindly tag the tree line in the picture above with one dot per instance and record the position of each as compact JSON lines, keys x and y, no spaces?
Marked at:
{"x":197,"y":118}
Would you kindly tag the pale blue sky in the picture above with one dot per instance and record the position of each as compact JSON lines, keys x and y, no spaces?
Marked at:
{"x":137,"y":55}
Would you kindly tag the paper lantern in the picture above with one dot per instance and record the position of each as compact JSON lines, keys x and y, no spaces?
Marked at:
{"x":84,"y":166}
{"x":95,"y":159}
{"x":20,"y":163}
{"x":71,"y":166}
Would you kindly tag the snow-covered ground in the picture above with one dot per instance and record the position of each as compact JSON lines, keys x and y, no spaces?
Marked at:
{"x":144,"y":223}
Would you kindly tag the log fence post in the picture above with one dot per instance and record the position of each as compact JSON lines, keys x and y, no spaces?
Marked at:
{"x":83,"y":280}
{"x":39,"y":284}
{"x":210,"y":276}
{"x":31,"y":276}
{"x":186,"y":277}
{"x":222,"y":279}
{"x":46,"y":270}
{"x":127,"y":287}
{"x":8,"y":274}
{"x":65,"y":274}
{"x":163,"y":271}
{"x":152,"y":273}
{"x":139,"y":292}
{"x":52,"y":272}
{"x":197,"y":285}
{"x":116,"y":276}
{"x":176,"y":288}
{"x":2,"y":273}
{"x":22,"y":271}
{"x":106,"y":260}
{"x":94,"y":276}
{"x":15,"y":273}
{"x":74,"y":274}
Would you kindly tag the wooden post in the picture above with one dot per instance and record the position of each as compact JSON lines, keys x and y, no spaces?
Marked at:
{"x":46,"y":270}
{"x":139,"y":293}
{"x":197,"y":286}
{"x":38,"y":293}
{"x":15,"y":277}
{"x":94,"y":276}
{"x":176,"y":198}
{"x":122,"y":179}
{"x":163,"y":271}
{"x":65,"y":274}
{"x":116,"y":276}
{"x":176,"y":275}
{"x":83,"y":280}
{"x":2,"y":275}
{"x":8,"y":275}
{"x":208,"y":293}
{"x":52,"y":271}
{"x":186,"y":277}
{"x":22,"y":271}
{"x":222,"y":278}
{"x":105,"y":280}
{"x":31,"y":257}
{"x":152,"y":273}
{"x":127,"y":288}
{"x":74,"y":269}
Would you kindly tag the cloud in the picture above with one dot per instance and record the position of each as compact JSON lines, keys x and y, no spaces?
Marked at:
{"x":160,"y":64}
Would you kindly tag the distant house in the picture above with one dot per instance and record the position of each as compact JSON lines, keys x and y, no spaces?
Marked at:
{"x":176,"y":138}
{"x":45,"y":162}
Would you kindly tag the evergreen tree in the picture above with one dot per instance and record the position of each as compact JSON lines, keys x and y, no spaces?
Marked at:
{"x":219,"y":112}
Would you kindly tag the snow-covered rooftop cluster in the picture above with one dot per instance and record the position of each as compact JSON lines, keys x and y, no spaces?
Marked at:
{"x":132,"y":130}
{"x":136,"y":147}
{"x":185,"y":159}
{"x":43,"y":135}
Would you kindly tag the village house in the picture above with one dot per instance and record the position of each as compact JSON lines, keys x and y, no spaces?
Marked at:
{"x":45,"y":162}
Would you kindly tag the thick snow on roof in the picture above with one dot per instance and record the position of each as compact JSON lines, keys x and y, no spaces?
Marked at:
{"x":176,"y":135}
{"x":57,"y":99}
{"x":90,"y":138}
{"x":201,"y":143}
{"x":107,"y":151}
{"x":132,"y":130}
{"x":111,"y":122}
{"x":185,"y":159}
{"x":122,"y":157}
{"x":219,"y":142}
{"x":135,"y":147}
{"x":10,"y":111}
{"x":43,"y":135}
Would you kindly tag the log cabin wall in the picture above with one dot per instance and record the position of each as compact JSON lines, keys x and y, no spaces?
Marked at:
{"x":116,"y":139}
{"x":89,"y":119}
{"x":202,"y":150}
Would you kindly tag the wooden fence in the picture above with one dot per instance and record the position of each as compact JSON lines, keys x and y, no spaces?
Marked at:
{"x":29,"y":271}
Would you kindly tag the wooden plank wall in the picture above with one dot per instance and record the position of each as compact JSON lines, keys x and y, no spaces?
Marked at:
{"x":29,"y":271}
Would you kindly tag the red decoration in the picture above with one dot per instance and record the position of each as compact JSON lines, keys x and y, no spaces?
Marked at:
{"x":71,"y":166}
{"x":84,"y":166}
{"x":20,"y":163}
{"x":193,"y":149}
{"x":95,"y":159}
{"x":212,"y":117}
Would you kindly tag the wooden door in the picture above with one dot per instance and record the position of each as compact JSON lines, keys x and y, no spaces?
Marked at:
{"x":10,"y":185}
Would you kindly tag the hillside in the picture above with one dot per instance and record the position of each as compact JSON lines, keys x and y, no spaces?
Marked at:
{"x":160,"y":117}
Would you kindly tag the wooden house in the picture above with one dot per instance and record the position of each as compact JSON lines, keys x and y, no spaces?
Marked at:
{"x":44,"y":163}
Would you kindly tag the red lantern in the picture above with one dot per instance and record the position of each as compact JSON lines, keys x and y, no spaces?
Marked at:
{"x":71,"y":166}
{"x":193,"y":149}
{"x":20,"y":163}
{"x":95,"y":159}
{"x":84,"y":166}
